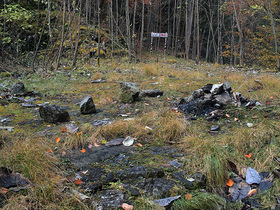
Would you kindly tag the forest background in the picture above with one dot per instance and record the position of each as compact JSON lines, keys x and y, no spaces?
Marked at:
{"x":236,"y":32}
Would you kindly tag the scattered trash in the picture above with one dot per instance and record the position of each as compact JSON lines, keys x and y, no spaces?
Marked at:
{"x":71,"y":128}
{"x":79,"y":195}
{"x":8,"y":128}
{"x":128,"y":141}
{"x":98,"y":81}
{"x":166,"y":201}
{"x":249,"y":125}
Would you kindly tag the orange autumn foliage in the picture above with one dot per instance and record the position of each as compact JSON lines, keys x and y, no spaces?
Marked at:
{"x":229,"y":182}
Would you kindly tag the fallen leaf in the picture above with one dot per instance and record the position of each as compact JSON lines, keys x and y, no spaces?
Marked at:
{"x":249,"y":156}
{"x":252,"y":192}
{"x":271,"y":98}
{"x":49,"y":150}
{"x":97,"y":145}
{"x":57,"y":139}
{"x":49,"y":126}
{"x":254,"y":117}
{"x":126,"y":206}
{"x":83,"y":150}
{"x":84,"y":172}
{"x":227,"y":115}
{"x":188,"y":196}
{"x":78,"y":182}
{"x":229,"y":182}
{"x":4,"y":190}
{"x":147,"y":104}
{"x":63,"y":153}
{"x":63,"y":130}
{"x":139,"y":144}
{"x":236,"y":119}
{"x":80,"y":133}
{"x":90,"y":146}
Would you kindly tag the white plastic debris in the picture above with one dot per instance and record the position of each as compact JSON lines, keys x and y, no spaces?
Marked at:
{"x":250,"y":125}
{"x":128,"y":141}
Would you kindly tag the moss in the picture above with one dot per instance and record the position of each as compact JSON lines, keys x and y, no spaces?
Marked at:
{"x":5,"y":74}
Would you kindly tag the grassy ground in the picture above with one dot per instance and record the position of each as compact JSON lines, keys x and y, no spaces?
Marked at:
{"x":29,"y":153}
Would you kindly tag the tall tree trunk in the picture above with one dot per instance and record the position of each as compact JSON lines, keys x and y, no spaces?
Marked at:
{"x":128,"y":29}
{"x":62,"y":36}
{"x":49,"y":20}
{"x":189,"y":29}
{"x":174,"y":26}
{"x":77,"y":36}
{"x":239,"y":27}
{"x":112,"y":28}
{"x":178,"y":26}
{"x":133,"y":29}
{"x":274,"y":34}
{"x":142,"y":29}
{"x":99,"y":30}
{"x":197,"y":33}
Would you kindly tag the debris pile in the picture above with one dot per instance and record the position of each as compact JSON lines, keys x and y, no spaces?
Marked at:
{"x":211,"y":100}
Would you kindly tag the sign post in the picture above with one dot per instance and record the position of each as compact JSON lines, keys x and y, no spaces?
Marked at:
{"x":158,"y":35}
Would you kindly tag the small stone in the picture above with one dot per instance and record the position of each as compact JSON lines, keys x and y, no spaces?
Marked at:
{"x":18,"y":88}
{"x":151,"y":93}
{"x":87,"y":106}
{"x":227,"y":87}
{"x":215,"y":128}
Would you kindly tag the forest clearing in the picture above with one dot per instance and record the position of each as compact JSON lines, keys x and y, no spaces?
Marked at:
{"x":105,"y":105}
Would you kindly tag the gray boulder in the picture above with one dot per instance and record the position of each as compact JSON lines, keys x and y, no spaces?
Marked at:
{"x":151,"y":93}
{"x":87,"y":106}
{"x":17,"y":88}
{"x":129,"y":92}
{"x":53,"y":113}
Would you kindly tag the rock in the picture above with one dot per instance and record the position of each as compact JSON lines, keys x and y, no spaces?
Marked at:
{"x":139,"y":171}
{"x":132,"y":191}
{"x":129,"y":92}
{"x":215,"y":128}
{"x":114,"y":142}
{"x":87,"y":106}
{"x":17,"y":88}
{"x":227,"y":87}
{"x":150,"y":93}
{"x":111,"y":199}
{"x":217,"y":89}
{"x":180,"y":177}
{"x":207,"y":88}
{"x":199,"y":178}
{"x":92,"y":174}
{"x":53,"y":113}
{"x":98,"y":122}
{"x":96,"y":154}
{"x":156,"y":187}
{"x":165,"y":202}
{"x":223,"y":99}
{"x":252,"y":176}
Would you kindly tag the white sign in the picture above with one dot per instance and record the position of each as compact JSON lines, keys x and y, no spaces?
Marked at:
{"x":159,"y":34}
